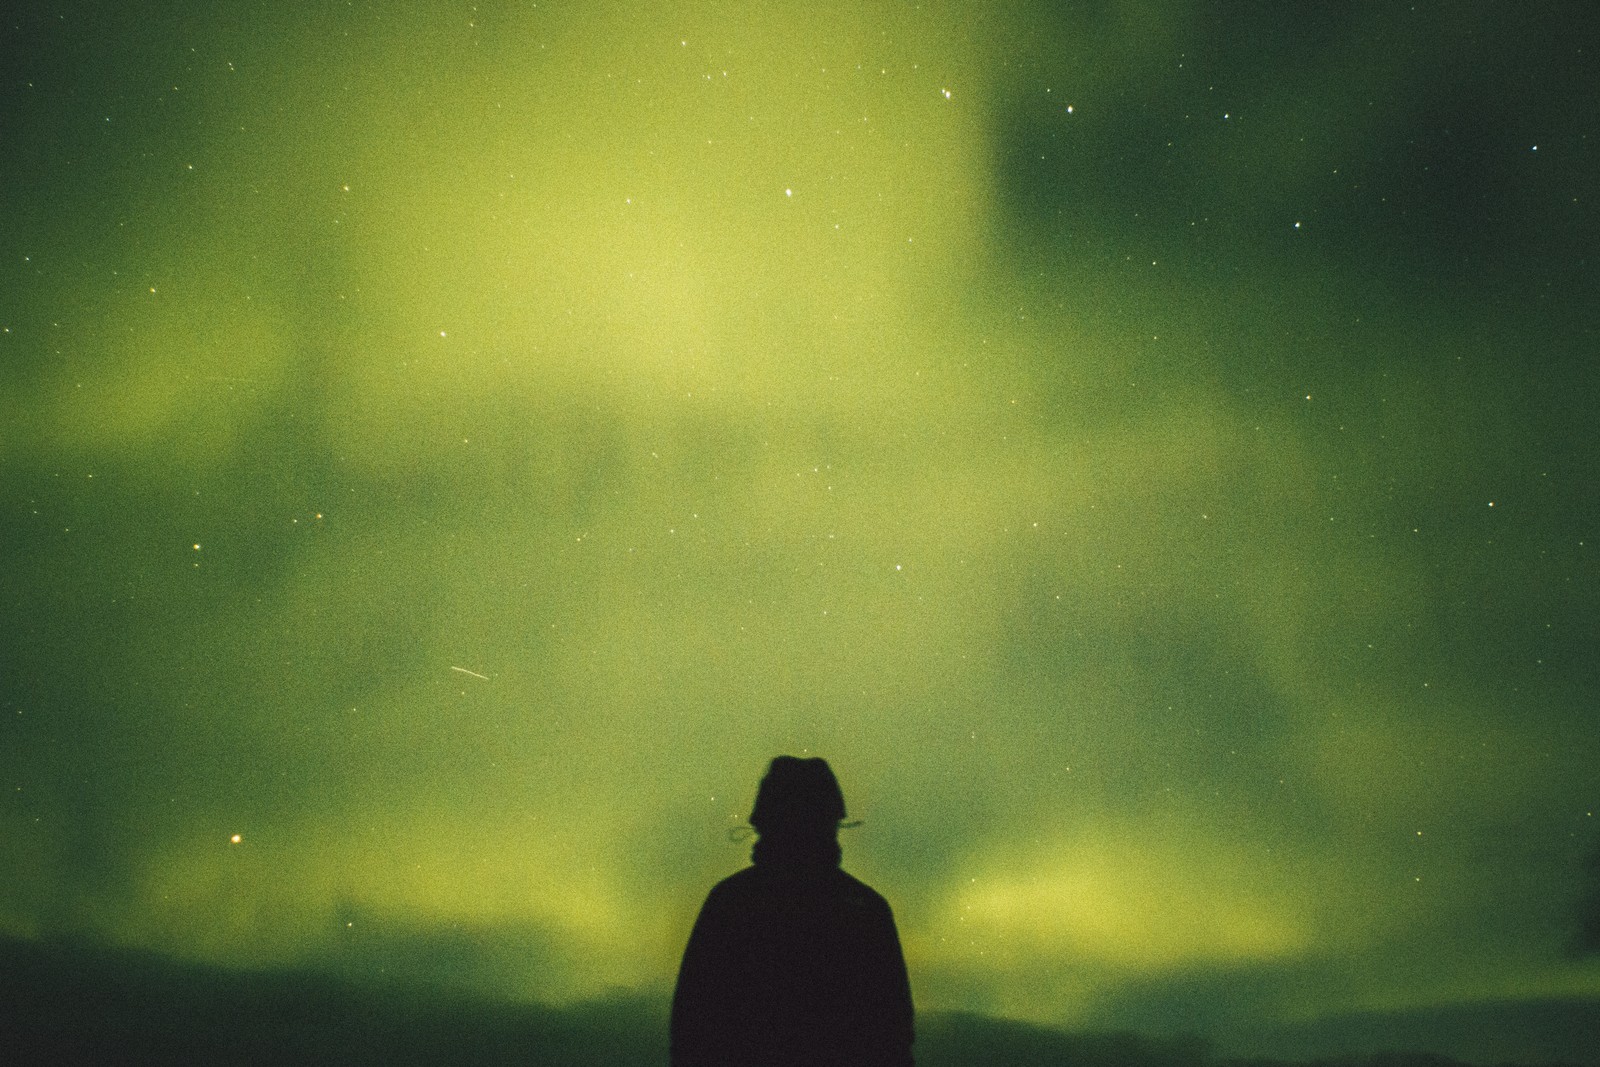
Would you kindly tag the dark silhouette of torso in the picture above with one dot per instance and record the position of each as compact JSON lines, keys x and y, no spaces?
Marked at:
{"x":792,"y":961}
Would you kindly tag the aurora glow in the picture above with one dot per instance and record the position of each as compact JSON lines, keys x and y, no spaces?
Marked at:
{"x":1147,"y":447}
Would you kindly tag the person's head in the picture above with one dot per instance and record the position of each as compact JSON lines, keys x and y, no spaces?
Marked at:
{"x":798,"y":798}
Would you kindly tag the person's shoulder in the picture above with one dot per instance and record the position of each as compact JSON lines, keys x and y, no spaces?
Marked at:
{"x":737,"y":884}
{"x":736,"y":880}
{"x":855,"y":891}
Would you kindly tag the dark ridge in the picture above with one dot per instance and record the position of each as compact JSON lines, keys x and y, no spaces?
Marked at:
{"x":69,"y":1003}
{"x":64,"y":1002}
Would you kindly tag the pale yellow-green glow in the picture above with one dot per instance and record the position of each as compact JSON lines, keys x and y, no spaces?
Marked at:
{"x":1133,"y":902}
{"x":170,"y":368}
{"x":579,"y":408}
{"x":280,"y":897}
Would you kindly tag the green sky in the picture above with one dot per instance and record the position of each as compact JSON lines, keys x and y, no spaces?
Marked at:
{"x":1147,"y":446}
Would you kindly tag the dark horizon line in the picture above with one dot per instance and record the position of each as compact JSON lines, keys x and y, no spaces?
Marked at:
{"x":72,"y":998}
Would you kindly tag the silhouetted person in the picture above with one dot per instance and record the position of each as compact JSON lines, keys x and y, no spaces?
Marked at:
{"x":792,"y":961}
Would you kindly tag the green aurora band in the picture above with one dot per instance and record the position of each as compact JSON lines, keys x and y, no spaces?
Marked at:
{"x":1146,"y":446}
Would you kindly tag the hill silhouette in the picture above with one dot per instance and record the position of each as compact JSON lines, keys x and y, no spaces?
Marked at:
{"x":71,"y":1003}
{"x":66,"y":1002}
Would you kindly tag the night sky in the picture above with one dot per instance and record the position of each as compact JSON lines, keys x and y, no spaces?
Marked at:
{"x":1147,"y":446}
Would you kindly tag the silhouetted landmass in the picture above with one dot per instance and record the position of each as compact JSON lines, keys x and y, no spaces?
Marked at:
{"x":958,"y":1039}
{"x":1547,"y":1031}
{"x":62,"y":1003}
{"x":69,"y":1003}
